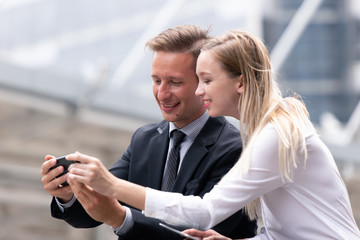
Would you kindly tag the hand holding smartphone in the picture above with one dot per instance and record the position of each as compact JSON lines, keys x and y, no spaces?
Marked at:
{"x":61,"y":161}
{"x":178,"y":232}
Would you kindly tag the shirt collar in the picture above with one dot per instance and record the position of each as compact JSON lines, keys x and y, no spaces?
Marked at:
{"x":192,"y":129}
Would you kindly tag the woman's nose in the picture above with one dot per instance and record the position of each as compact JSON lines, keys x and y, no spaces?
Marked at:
{"x":199,"y":91}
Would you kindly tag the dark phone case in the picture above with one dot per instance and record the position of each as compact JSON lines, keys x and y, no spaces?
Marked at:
{"x":61,"y":161}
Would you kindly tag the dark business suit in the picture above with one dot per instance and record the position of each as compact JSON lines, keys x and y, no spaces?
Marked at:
{"x":212,"y":154}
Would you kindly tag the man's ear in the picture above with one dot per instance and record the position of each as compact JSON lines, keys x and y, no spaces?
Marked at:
{"x":240,"y":84}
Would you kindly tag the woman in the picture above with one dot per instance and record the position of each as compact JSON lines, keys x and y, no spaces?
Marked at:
{"x":285,"y":173}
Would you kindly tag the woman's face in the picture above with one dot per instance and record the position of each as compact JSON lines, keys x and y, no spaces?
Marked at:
{"x":219,"y":92}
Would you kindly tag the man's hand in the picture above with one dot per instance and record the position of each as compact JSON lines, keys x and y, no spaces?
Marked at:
{"x":206,"y":235}
{"x":101,"y":208}
{"x":52,"y":184}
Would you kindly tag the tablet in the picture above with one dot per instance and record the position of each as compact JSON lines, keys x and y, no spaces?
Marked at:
{"x":178,"y":232}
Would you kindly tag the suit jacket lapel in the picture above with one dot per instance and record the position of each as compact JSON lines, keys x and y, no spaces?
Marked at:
{"x":207,"y":137}
{"x":158,"y":156}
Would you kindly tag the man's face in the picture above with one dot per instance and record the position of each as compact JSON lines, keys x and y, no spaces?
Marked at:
{"x":174,"y":85}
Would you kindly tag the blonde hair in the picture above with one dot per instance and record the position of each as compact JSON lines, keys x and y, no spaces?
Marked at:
{"x":243,"y":54}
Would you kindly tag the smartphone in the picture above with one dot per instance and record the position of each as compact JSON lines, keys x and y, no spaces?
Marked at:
{"x":61,"y":161}
{"x":178,"y":232}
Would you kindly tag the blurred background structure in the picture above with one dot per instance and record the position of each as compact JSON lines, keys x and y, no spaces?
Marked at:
{"x":74,"y":75}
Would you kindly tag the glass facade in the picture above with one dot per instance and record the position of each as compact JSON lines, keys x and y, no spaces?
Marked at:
{"x":319,"y":63}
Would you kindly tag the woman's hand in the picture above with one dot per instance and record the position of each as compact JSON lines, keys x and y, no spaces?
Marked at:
{"x":92,"y":172}
{"x":206,"y":235}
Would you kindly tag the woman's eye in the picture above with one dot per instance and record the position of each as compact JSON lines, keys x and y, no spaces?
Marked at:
{"x":206,"y":81}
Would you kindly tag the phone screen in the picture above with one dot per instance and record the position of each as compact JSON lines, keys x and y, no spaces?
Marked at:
{"x":178,"y":232}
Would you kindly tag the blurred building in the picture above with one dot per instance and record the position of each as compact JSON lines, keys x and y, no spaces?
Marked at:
{"x":320,"y":64}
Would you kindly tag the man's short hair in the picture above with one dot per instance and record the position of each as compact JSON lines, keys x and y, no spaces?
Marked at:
{"x":180,"y":39}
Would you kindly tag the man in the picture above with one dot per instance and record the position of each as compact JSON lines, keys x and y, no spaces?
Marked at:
{"x":209,"y":149}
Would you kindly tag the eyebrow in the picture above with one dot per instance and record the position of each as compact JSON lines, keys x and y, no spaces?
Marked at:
{"x":203,"y":73}
{"x":169,"y":77}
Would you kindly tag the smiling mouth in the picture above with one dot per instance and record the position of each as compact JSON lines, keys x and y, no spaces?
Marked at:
{"x":169,"y":107}
{"x":206,"y":102}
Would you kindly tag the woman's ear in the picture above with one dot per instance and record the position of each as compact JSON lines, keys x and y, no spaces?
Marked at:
{"x":240,"y":84}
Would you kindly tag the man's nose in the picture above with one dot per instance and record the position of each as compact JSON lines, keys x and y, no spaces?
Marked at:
{"x":163,"y":92}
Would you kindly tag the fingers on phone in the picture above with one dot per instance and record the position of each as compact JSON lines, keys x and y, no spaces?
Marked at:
{"x":48,"y":157}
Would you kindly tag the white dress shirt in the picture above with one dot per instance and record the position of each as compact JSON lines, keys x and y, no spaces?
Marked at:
{"x":314,"y":205}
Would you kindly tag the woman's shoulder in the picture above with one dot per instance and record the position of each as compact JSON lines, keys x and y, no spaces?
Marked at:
{"x":267,"y":137}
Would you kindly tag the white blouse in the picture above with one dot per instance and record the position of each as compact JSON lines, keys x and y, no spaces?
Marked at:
{"x":314,"y":205}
